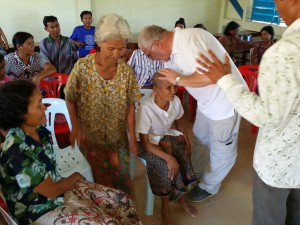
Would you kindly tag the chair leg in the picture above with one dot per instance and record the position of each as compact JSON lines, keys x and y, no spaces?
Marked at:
{"x":149,"y":202}
{"x":131,"y":166}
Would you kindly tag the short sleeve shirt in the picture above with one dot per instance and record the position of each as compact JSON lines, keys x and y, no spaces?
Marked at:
{"x":156,"y":122}
{"x":17,"y":70}
{"x":24,"y":164}
{"x":102,"y":104}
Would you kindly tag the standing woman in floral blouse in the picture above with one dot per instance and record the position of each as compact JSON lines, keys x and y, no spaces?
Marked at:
{"x":100,"y":94}
{"x":266,"y":35}
{"x":34,"y":191}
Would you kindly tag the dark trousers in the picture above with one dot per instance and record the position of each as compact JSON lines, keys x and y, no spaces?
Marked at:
{"x":274,"y":206}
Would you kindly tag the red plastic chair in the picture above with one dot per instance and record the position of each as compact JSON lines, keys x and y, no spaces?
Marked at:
{"x":53,"y":87}
{"x":192,"y":102}
{"x":53,"y":84}
{"x":250,"y":74}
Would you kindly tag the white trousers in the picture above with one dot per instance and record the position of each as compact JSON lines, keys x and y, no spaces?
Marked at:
{"x":214,"y":149}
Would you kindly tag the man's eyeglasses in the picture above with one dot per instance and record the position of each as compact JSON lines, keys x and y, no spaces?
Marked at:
{"x":149,"y":52}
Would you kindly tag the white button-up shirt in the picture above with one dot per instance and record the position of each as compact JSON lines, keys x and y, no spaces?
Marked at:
{"x":187,"y":43}
{"x":276,"y":111}
{"x":156,"y":122}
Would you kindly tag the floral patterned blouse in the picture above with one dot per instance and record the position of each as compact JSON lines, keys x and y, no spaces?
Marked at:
{"x":102,"y":104}
{"x":24,"y":164}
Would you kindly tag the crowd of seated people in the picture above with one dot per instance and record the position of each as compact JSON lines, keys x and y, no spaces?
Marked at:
{"x":92,"y":93}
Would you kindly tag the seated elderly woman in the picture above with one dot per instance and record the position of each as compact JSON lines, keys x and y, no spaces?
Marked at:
{"x":100,"y":95}
{"x":24,"y":63}
{"x":166,"y":150}
{"x":34,"y":191}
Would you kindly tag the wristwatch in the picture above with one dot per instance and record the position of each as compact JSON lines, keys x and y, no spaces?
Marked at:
{"x":177,"y":79}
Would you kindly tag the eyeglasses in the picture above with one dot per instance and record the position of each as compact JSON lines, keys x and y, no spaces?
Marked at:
{"x":149,"y":52}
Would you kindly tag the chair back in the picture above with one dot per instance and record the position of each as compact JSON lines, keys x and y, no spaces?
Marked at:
{"x":69,"y":160}
{"x":250,"y":74}
{"x":53,"y":84}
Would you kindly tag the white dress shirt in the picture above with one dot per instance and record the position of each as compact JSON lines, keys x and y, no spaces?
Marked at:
{"x":187,"y":43}
{"x":156,"y":122}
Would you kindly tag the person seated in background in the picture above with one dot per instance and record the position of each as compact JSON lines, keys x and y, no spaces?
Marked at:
{"x":24,"y":63}
{"x":144,"y":68}
{"x":83,"y":36}
{"x":166,"y":149}
{"x":3,"y":77}
{"x":57,"y":49}
{"x":266,"y":35}
{"x":200,"y":25}
{"x":3,"y":43}
{"x":232,"y":43}
{"x":180,"y":23}
{"x":34,"y":191}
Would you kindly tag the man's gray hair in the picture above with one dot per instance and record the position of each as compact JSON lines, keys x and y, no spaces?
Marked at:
{"x":112,"y":26}
{"x":150,"y":34}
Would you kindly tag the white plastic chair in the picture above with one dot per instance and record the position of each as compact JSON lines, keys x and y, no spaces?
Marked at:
{"x":69,"y":160}
{"x":9,"y":220}
{"x":149,"y":201}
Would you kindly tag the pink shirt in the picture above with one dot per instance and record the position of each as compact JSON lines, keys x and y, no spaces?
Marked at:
{"x":6,"y":79}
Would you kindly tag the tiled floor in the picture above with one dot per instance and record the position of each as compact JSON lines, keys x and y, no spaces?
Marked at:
{"x":231,"y":206}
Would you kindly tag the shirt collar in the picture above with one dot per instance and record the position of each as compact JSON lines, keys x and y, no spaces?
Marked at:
{"x":292,"y":28}
{"x":62,"y":38}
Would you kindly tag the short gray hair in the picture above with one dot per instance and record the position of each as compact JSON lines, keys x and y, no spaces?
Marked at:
{"x":112,"y":26}
{"x":149,"y":34}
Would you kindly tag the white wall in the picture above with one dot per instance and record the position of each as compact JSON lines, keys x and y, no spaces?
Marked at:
{"x":165,"y":13}
{"x":27,"y":15}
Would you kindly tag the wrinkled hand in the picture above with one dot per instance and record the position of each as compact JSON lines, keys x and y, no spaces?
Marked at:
{"x":214,"y":69}
{"x":173,"y":167}
{"x":78,"y":135}
{"x":133,"y":147}
{"x":170,"y":75}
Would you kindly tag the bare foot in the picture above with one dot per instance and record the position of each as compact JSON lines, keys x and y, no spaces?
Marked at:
{"x":166,"y":217}
{"x":189,"y":209}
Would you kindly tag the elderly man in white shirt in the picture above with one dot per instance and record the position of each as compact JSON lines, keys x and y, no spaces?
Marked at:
{"x":214,"y":148}
{"x":276,"y":183}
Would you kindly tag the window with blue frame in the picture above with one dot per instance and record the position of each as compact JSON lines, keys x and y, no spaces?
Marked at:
{"x":265,"y":11}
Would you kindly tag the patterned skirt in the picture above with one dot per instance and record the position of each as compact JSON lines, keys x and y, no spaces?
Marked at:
{"x":157,"y":169}
{"x":90,"y":203}
{"x":110,"y":165}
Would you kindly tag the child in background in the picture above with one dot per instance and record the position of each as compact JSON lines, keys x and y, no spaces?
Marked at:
{"x":83,"y":36}
{"x":3,"y":77}
{"x":3,"y":43}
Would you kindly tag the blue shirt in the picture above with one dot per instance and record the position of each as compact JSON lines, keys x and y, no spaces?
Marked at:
{"x":86,"y":36}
